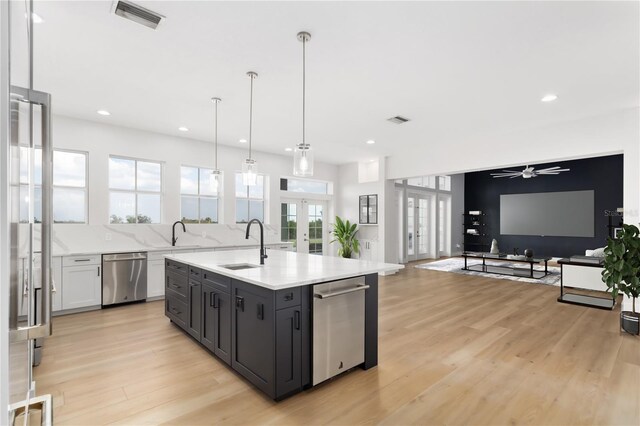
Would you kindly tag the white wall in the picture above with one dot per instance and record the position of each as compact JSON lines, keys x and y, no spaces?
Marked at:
{"x":347,"y":196}
{"x":102,"y":140}
{"x":457,"y":208}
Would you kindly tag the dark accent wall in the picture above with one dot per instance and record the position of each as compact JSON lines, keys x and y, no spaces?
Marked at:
{"x":604,"y":175}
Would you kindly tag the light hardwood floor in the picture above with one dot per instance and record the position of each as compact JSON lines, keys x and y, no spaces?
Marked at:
{"x":454,"y":349}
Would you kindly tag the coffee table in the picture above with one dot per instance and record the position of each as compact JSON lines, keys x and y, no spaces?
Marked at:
{"x":527,"y":272}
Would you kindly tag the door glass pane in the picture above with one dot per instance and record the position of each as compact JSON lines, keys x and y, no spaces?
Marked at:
{"x":189,"y":180}
{"x":148,"y":208}
{"x":208,"y":210}
{"x":410,"y":225}
{"x":149,"y":176}
{"x":422,"y":234}
{"x":315,"y":228}
{"x":289,"y":223}
{"x":122,"y":207}
{"x":69,"y":205}
{"x":122,"y":173}
{"x":189,"y":209}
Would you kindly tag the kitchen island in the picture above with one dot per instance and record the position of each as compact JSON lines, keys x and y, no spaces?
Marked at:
{"x":261,"y":320}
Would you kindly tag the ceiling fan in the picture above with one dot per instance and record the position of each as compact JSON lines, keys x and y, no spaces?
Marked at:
{"x":529,"y":172}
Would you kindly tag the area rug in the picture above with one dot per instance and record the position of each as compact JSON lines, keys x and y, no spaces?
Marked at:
{"x":456,"y":264}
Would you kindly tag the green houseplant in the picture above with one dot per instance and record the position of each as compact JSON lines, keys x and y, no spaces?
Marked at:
{"x":344,"y":233}
{"x":622,"y":272}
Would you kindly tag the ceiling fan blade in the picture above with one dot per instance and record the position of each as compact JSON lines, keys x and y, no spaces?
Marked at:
{"x":516,"y":176}
{"x":497,"y":175}
{"x":552,"y":172}
{"x":549,"y":168}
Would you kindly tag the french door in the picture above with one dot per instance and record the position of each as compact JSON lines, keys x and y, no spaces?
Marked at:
{"x":25,"y":220}
{"x":421,"y":236}
{"x":303,"y":223}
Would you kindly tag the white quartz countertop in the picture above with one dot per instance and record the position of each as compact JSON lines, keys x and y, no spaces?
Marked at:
{"x":282,"y":269}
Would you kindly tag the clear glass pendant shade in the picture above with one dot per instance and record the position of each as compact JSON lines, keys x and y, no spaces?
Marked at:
{"x":215,"y":181}
{"x":250,"y":172}
{"x":303,"y":160}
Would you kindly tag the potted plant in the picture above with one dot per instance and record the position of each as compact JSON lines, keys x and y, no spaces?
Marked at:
{"x":622,"y":272}
{"x":344,"y":233}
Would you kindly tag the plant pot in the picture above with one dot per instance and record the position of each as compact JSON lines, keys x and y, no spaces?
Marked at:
{"x":630,"y":322}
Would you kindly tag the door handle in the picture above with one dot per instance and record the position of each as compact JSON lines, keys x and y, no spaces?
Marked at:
{"x":216,"y":301}
{"x":260,"y":311}
{"x":296,"y":320}
{"x":240,"y":303}
{"x":43,"y":327}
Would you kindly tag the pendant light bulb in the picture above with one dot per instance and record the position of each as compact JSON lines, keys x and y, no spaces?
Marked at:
{"x":249,"y":165}
{"x":216,"y":174}
{"x":303,"y":155}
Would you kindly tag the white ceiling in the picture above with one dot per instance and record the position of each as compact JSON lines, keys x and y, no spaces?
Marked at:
{"x":457,"y":70}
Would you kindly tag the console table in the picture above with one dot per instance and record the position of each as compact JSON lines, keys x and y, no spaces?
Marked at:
{"x":507,"y":270}
{"x":582,"y":299}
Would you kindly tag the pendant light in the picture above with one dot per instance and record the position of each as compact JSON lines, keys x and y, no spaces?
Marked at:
{"x":216,"y":174}
{"x":249,"y":165}
{"x":303,"y":155}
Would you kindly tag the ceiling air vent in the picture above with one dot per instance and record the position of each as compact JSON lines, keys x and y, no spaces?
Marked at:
{"x":138,"y":14}
{"x":398,"y":119}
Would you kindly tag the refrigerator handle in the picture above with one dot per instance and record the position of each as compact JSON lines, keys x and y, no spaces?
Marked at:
{"x":43,"y":327}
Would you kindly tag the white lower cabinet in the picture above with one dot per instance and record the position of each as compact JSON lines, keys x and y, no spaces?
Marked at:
{"x":155,"y":278}
{"x":369,"y":250}
{"x":81,"y":285}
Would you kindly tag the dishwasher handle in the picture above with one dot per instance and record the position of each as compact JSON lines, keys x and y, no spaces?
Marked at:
{"x":128,"y":256}
{"x":340,"y":292}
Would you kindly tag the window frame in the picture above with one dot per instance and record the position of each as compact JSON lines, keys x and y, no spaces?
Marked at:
{"x":84,"y":188}
{"x":198,"y":196}
{"x":248,"y":198}
{"x":135,"y":191}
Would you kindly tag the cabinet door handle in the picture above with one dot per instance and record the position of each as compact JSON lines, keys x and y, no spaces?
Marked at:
{"x":296,"y":320}
{"x":240,"y":303}
{"x":98,"y":271}
{"x":212,"y":303}
{"x":216,"y":301}
{"x":260,"y":311}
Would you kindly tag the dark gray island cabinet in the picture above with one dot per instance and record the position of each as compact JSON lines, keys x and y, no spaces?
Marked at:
{"x":263,"y":334}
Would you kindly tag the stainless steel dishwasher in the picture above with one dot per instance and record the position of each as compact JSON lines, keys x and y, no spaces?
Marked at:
{"x":124,"y":278}
{"x":338,"y":327}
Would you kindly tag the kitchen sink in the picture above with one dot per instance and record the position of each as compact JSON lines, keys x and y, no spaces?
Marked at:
{"x":239,"y":266}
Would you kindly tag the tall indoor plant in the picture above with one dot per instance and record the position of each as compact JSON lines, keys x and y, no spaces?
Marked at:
{"x":344,"y":233}
{"x":622,"y":272}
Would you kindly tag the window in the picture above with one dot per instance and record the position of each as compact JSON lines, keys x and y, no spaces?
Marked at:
{"x":198,"y":202}
{"x":306,"y":186}
{"x":289,"y":223}
{"x":444,"y":183}
{"x":249,"y":200}
{"x":135,"y":189}
{"x":69,"y":186}
{"x":425,"y":182}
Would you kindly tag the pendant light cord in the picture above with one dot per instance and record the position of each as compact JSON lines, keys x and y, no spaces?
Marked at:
{"x":304,"y":89}
{"x":250,"y":114}
{"x":216,"y":136}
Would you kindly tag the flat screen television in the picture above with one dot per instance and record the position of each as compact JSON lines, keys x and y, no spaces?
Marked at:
{"x":559,"y":214}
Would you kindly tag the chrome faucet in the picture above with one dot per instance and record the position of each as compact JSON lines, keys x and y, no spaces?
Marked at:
{"x":263,"y":251}
{"x":173,"y":232}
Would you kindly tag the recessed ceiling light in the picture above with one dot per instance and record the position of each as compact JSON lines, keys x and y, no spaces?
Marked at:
{"x":242,"y":141}
{"x":183,"y":129}
{"x":549,"y":98}
{"x":288,"y":149}
{"x":370,"y":142}
{"x":103,"y":112}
